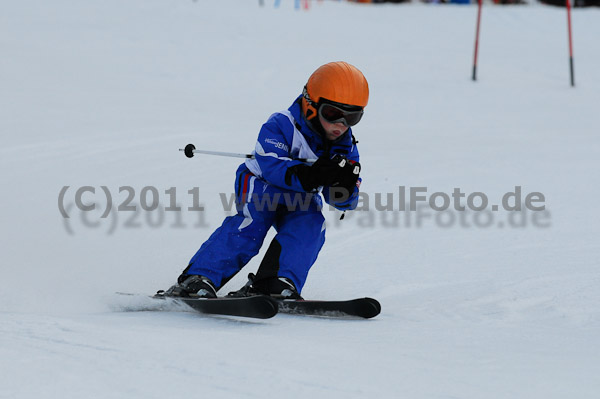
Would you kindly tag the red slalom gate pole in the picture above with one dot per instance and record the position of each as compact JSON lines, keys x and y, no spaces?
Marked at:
{"x":477,"y":40}
{"x":570,"y":43}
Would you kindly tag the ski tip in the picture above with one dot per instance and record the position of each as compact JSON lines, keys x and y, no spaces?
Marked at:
{"x":368,"y":307}
{"x":364,"y":308}
{"x":264,"y":307}
{"x":259,"y":307}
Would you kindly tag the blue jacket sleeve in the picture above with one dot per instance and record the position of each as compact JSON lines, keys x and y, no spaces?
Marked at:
{"x":272,"y":153}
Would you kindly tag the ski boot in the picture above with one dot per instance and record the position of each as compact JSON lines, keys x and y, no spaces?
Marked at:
{"x":192,"y":286}
{"x":276,"y":287}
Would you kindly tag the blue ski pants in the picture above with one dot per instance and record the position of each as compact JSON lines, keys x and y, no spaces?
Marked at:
{"x":297,"y":218}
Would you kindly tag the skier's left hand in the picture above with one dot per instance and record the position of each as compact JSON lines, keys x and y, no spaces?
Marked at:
{"x":346,"y":179}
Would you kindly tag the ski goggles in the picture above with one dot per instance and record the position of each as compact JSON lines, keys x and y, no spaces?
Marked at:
{"x":335,"y":114}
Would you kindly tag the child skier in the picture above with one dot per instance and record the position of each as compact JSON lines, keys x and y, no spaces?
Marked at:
{"x":279,"y":188}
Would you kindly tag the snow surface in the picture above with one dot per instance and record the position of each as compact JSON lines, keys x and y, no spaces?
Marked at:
{"x":104,"y":93}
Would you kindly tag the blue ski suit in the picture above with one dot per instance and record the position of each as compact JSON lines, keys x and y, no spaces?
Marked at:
{"x":268,"y":194}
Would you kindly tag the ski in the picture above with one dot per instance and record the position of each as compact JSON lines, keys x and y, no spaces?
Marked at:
{"x":264,"y":307}
{"x":360,"y":307}
{"x":260,"y":307}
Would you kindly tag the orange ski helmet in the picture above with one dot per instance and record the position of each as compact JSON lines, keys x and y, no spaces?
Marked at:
{"x":335,"y":82}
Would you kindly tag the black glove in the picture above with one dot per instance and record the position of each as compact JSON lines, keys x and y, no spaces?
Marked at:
{"x":344,"y":184}
{"x":324,"y":172}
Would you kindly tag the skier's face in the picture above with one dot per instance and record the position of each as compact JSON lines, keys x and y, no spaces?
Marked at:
{"x":332,"y":130}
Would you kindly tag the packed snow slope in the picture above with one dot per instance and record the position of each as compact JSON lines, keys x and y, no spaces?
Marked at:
{"x":475,"y":305}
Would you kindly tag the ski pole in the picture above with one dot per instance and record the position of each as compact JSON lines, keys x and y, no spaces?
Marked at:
{"x":570,"y":43}
{"x":190,"y":150}
{"x":477,"y":40}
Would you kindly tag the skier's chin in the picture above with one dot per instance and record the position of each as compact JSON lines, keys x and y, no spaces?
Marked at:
{"x":334,"y":134}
